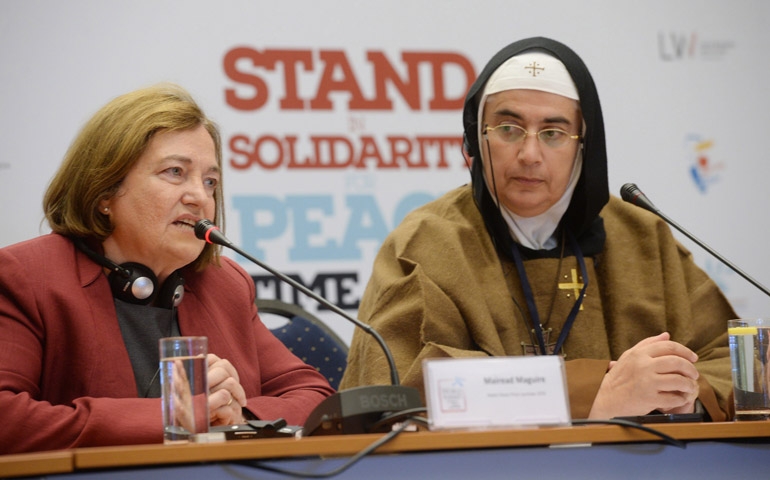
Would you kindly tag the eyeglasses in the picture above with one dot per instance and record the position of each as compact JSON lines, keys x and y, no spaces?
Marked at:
{"x":550,"y":137}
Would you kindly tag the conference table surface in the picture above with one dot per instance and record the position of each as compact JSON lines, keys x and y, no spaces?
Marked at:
{"x":711,"y":450}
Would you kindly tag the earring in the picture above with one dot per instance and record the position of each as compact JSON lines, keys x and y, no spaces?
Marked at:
{"x":106,"y":209}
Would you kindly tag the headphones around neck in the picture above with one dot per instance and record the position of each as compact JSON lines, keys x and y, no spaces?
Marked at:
{"x":135,"y":283}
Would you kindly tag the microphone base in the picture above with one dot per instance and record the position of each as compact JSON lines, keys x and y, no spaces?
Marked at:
{"x":361,"y":409}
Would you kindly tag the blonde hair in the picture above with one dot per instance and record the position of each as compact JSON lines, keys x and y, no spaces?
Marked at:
{"x":108,"y":146}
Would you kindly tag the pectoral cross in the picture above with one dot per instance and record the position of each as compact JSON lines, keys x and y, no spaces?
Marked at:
{"x":575,"y":286}
{"x":533,"y":349}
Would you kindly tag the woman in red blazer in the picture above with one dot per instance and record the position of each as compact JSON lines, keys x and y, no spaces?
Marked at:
{"x":82,"y":308}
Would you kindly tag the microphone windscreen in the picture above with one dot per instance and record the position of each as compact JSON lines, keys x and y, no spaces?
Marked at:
{"x":202,"y":226}
{"x":627,"y":192}
{"x":632,"y":194}
{"x":206,"y":230}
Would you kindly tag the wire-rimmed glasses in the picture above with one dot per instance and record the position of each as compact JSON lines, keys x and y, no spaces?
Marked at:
{"x":510,"y":133}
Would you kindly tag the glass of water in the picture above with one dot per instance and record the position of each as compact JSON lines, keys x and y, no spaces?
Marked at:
{"x":184,"y":388}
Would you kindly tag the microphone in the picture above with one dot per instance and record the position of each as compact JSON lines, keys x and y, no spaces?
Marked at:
{"x":632,"y":194}
{"x":356,"y":410}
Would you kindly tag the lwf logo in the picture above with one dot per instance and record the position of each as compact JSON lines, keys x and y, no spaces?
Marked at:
{"x":676,"y":46}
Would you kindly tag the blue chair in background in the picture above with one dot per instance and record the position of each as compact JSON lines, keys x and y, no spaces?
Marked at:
{"x":309,"y":338}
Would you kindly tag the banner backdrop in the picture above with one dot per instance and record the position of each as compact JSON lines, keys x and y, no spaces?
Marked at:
{"x":340,"y":117}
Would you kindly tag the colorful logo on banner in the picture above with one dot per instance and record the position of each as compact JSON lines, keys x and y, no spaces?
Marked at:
{"x":704,"y":171}
{"x":345,"y":135}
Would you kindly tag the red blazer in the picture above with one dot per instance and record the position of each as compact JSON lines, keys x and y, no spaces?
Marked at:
{"x":65,"y":376}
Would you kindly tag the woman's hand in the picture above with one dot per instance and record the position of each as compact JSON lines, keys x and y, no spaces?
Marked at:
{"x":654,"y":374}
{"x":226,"y":395}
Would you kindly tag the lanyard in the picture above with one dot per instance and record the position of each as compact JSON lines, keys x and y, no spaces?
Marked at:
{"x":531,"y":299}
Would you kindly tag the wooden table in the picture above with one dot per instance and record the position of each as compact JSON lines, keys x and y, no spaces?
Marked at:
{"x":706,"y":436}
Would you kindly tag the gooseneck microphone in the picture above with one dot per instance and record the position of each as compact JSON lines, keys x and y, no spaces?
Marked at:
{"x":356,"y":410}
{"x":632,"y":194}
{"x":205,"y":230}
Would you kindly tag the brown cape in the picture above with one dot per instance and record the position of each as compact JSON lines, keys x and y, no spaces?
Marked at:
{"x":438,"y":289}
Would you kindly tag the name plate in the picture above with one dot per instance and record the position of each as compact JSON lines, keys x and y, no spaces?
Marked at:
{"x":496,"y":392}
